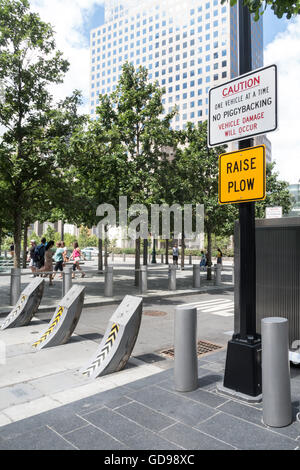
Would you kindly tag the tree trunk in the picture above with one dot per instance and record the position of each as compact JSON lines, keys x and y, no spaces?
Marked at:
{"x":145,"y":252}
{"x":25,"y":242}
{"x":100,"y":257}
{"x":209,"y":247}
{"x":167,"y":251}
{"x":137,"y":261}
{"x":62,"y":232}
{"x":0,"y":240}
{"x":105,"y":252}
{"x":182,"y":251}
{"x":17,"y":239}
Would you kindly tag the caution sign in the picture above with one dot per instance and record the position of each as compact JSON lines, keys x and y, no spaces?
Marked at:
{"x":242,"y":175}
{"x":244,"y":107}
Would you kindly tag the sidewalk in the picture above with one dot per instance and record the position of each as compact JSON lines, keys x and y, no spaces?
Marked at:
{"x":123,"y":285}
{"x":138,"y":408}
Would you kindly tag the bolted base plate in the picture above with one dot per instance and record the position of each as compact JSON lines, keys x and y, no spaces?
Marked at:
{"x":243,"y":366}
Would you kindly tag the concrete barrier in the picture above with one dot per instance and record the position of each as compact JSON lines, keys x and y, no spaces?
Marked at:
{"x":64,"y":320}
{"x":119,"y":339}
{"x":27,"y":305}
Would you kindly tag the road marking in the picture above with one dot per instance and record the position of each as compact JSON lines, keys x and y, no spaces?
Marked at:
{"x":221,"y":307}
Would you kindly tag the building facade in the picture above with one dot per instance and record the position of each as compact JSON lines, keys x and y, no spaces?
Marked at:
{"x":187,"y":46}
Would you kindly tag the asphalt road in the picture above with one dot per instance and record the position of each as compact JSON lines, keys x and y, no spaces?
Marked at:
{"x":215,"y":321}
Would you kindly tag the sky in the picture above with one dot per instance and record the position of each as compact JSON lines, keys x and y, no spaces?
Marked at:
{"x":73,"y":19}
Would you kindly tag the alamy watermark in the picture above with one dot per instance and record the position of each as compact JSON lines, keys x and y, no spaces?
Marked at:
{"x":139,"y":222}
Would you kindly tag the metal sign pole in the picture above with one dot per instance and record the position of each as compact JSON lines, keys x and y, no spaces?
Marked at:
{"x":243,"y":363}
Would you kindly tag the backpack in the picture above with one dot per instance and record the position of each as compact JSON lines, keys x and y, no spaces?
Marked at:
{"x":38,"y":253}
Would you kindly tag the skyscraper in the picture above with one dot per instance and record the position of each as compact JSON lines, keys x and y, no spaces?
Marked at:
{"x":188,"y":46}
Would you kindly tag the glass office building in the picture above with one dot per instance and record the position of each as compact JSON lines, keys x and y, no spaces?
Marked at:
{"x":187,"y":46}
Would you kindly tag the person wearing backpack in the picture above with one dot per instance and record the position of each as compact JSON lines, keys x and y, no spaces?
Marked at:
{"x":39,"y":254}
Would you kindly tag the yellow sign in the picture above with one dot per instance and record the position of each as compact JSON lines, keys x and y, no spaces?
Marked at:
{"x":242,"y":175}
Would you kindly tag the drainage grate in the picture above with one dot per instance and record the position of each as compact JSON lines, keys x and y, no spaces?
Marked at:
{"x":203,"y":347}
{"x":154,"y":313}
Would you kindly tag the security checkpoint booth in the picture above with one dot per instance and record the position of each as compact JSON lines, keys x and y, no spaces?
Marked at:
{"x":277,"y":275}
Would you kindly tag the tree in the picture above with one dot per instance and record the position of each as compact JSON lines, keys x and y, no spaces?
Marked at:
{"x":125,"y":145}
{"x":30,"y":172}
{"x":196,"y":167}
{"x":280,"y":7}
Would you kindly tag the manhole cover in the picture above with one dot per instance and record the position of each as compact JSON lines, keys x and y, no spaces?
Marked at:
{"x":203,"y":347}
{"x":154,"y":313}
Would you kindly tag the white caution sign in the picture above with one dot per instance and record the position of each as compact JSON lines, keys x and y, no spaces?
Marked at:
{"x":244,"y":107}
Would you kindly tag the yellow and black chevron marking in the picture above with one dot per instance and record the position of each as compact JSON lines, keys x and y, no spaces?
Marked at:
{"x":104,"y":351}
{"x":51,"y":327}
{"x":15,"y":311}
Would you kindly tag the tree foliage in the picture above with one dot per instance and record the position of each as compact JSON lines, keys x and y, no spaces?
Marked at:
{"x":280,"y":7}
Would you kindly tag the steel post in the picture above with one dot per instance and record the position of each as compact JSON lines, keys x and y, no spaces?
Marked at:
{"x":196,"y":276}
{"x":185,"y":343}
{"x":67,"y":280}
{"x":15,"y":285}
{"x":276,"y":382}
{"x":172,"y":277}
{"x":143,"y":280}
{"x":108,"y":281}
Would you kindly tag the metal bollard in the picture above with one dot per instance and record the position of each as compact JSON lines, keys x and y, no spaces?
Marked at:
{"x":276,"y":382}
{"x":232,"y":275}
{"x":108,"y":281}
{"x":5,"y":254}
{"x":67,"y":280}
{"x":143,"y":284}
{"x":190,"y":259}
{"x":112,"y":257}
{"x":15,"y":285}
{"x":185,"y":341}
{"x":196,"y":276}
{"x":172,"y":277}
{"x":162,"y":259}
{"x":218,"y":269}
{"x":124,"y":257}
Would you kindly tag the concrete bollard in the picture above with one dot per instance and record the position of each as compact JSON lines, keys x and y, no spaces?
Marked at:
{"x":196,"y":276}
{"x":172,"y":277}
{"x":185,"y":345}
{"x":162,"y":259}
{"x":67,"y":280}
{"x":190,"y":259}
{"x":217,"y":269}
{"x":108,"y":281}
{"x":276,"y":382}
{"x":15,"y":285}
{"x":143,"y":284}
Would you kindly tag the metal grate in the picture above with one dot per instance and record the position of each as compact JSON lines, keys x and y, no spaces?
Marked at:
{"x":203,"y":347}
{"x":154,"y":313}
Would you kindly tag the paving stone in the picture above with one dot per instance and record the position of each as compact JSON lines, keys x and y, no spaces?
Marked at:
{"x":244,"y":435}
{"x":117,"y":403}
{"x":112,"y":423}
{"x":192,"y":439}
{"x":44,"y":439}
{"x":174,"y":406}
{"x":147,"y":440}
{"x":142,"y":415}
{"x":91,"y":438}
{"x":202,"y":396}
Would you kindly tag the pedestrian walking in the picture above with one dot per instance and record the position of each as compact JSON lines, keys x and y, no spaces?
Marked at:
{"x":30,"y":257}
{"x":59,"y":260}
{"x":202,"y":261}
{"x":76,"y":255}
{"x":65,"y":253}
{"x":12,"y":250}
{"x":39,"y":254}
{"x":219,"y":256}
{"x":175,"y":255}
{"x":48,"y":264}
